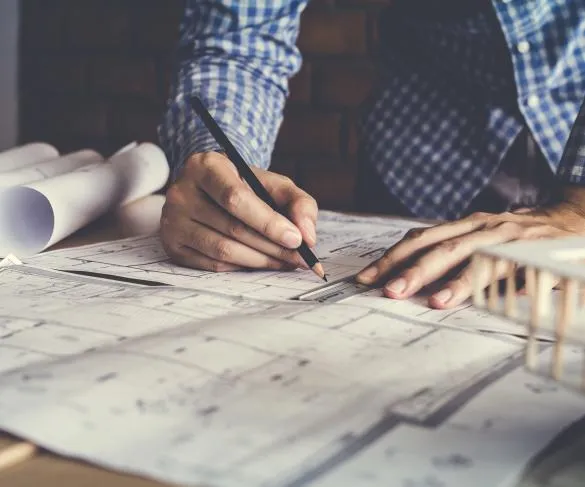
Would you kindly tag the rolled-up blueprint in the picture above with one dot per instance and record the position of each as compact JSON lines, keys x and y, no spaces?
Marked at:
{"x":50,"y":168}
{"x":35,"y":216}
{"x":25,"y":155}
{"x":141,"y":217}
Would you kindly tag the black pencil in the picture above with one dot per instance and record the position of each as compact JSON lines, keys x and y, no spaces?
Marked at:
{"x":248,"y":175}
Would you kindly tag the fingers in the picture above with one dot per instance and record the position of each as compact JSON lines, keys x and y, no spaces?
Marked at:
{"x":447,"y":255}
{"x":303,"y":213}
{"x":459,"y":289}
{"x":417,"y":240}
{"x":187,"y":257}
{"x":213,"y":176}
{"x":210,"y":210}
{"x":301,"y":208}
{"x":212,"y":216}
{"x":203,"y":247}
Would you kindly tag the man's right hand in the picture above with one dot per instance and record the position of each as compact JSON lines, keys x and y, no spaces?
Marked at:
{"x":213,"y":221}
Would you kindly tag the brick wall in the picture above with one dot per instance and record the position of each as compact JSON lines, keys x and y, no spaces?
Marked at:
{"x":94,"y":73}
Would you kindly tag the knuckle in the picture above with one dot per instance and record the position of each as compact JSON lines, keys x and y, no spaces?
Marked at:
{"x":270,"y":226}
{"x":174,"y":197}
{"x":236,"y":229}
{"x":414,"y":233}
{"x":387,"y":256}
{"x":199,"y":161}
{"x":314,"y":203}
{"x":231,"y":198}
{"x":537,"y":231}
{"x":191,"y":164}
{"x":195,"y":240}
{"x":171,"y":248}
{"x":480,"y":216}
{"x":223,"y":250}
{"x":216,"y":266}
{"x":312,"y":200}
{"x":450,"y":246}
{"x":285,"y":180}
{"x":509,"y":227}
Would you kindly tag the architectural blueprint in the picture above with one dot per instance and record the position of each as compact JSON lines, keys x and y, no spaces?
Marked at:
{"x":346,"y":245}
{"x":200,"y":388}
{"x":342,"y":252}
{"x":222,"y":380}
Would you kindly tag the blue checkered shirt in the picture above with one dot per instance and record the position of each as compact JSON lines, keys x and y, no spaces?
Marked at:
{"x":441,"y":123}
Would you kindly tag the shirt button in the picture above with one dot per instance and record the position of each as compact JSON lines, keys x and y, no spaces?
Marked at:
{"x":533,"y":101}
{"x":523,"y":47}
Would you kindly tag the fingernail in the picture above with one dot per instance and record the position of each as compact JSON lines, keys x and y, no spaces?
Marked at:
{"x":443,"y":296}
{"x":368,"y":275}
{"x":398,"y":286}
{"x":291,"y":239}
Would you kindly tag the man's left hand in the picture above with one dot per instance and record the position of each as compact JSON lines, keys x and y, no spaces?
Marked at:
{"x":428,"y":255}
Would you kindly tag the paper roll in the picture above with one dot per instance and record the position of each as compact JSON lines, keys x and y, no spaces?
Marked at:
{"x":50,"y":168}
{"x":35,"y":216}
{"x":26,"y":155}
{"x":140,"y":217}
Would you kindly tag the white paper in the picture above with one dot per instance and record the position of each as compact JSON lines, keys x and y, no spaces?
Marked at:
{"x":37,"y":215}
{"x":50,"y":168}
{"x":10,"y":260}
{"x":346,"y":245}
{"x":196,"y":388}
{"x":26,"y":155}
{"x":488,"y":442}
{"x":201,"y":389}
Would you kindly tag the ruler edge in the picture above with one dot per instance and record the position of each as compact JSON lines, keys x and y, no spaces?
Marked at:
{"x":330,"y":285}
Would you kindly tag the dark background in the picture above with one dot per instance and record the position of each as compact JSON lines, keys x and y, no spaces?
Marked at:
{"x":94,"y":74}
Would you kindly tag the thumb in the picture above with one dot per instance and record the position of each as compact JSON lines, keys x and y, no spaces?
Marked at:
{"x":299,"y":207}
{"x":302,"y":211}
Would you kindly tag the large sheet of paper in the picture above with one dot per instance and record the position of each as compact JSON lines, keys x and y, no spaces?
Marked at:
{"x":37,"y":215}
{"x":346,"y":245}
{"x":197,"y":388}
{"x":26,"y":155}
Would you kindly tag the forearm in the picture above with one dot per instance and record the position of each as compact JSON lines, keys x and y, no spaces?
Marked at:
{"x":238,"y":63}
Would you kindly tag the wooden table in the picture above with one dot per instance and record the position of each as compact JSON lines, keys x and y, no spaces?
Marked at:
{"x":563,"y":466}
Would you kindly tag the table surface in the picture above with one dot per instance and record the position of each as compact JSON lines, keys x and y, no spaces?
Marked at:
{"x":563,"y":467}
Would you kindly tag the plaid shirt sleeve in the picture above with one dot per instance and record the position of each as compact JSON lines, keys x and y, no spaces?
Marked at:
{"x":572,"y":165}
{"x":237,"y":57}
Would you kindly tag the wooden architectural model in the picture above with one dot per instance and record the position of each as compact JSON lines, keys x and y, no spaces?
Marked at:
{"x":541,"y":286}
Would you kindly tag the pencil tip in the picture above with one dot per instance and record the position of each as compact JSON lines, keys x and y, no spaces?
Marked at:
{"x":325,"y":278}
{"x":318,"y":269}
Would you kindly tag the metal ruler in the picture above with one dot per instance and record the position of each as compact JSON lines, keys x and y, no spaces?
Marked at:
{"x":334,"y":291}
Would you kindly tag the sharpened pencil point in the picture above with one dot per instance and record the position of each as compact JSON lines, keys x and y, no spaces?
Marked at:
{"x":318,"y":269}
{"x":325,"y":278}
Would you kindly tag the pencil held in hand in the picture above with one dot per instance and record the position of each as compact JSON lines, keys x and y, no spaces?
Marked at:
{"x":248,"y":175}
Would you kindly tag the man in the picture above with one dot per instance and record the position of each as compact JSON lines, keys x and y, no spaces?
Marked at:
{"x":472,"y":117}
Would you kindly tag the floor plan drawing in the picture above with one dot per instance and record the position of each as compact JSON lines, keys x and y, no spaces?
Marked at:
{"x":299,"y":391}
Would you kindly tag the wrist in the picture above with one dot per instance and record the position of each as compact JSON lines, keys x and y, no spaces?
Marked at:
{"x":568,"y":211}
